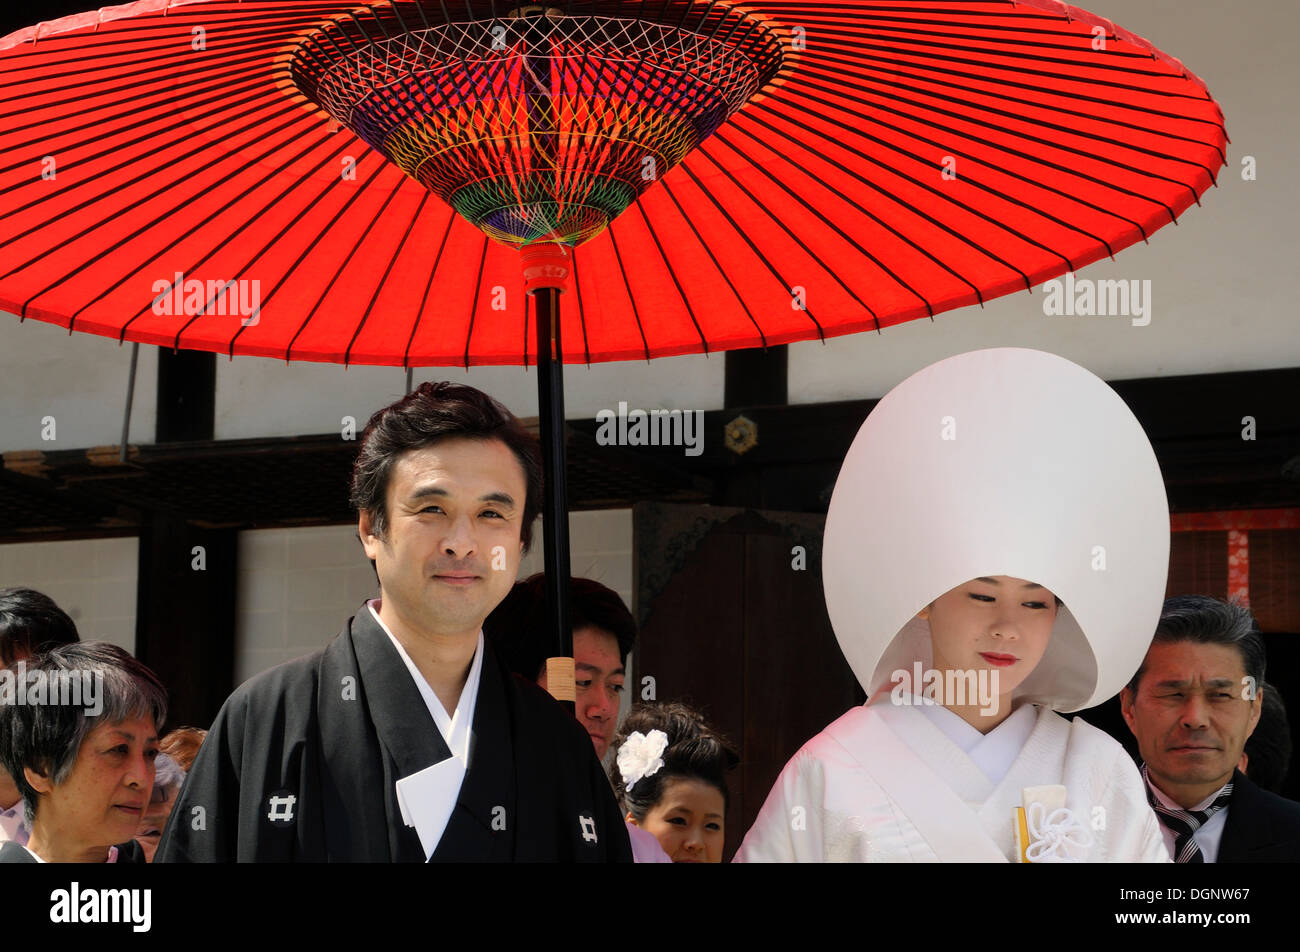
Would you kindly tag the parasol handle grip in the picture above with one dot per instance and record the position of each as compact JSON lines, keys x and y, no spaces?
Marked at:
{"x":560,"y":679}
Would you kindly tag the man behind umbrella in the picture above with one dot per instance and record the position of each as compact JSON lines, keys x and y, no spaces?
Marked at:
{"x":1192,"y":705}
{"x":406,"y":739}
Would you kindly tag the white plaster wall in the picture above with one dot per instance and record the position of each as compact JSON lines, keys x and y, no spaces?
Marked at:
{"x":93,"y":580}
{"x":80,"y":380}
{"x":297,"y":587}
{"x":262,"y":397}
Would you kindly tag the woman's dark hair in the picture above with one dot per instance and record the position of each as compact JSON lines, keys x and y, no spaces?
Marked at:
{"x":430,"y":413}
{"x":524,"y":645}
{"x":30,"y":622}
{"x":695,"y":751}
{"x":48,"y":736}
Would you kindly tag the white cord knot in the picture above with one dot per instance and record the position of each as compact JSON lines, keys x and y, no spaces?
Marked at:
{"x":1056,"y":837}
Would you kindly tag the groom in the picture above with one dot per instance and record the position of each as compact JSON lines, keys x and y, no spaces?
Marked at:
{"x":406,"y":739}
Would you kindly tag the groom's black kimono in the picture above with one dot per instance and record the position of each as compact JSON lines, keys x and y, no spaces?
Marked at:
{"x":301,"y":763}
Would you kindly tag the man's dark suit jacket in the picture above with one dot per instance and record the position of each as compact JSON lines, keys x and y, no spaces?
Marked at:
{"x":11,"y":852}
{"x":1262,"y":827}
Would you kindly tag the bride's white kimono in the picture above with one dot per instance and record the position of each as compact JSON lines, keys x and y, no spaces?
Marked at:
{"x":885,"y":784}
{"x":1003,"y":462}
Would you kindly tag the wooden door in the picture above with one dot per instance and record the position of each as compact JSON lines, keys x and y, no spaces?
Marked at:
{"x":733,"y":622}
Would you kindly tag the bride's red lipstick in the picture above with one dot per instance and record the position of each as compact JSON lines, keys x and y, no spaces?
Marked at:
{"x":998,"y":660}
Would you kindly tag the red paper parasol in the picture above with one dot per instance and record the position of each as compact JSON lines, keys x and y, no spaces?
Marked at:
{"x":334,"y":181}
{"x":733,"y":175}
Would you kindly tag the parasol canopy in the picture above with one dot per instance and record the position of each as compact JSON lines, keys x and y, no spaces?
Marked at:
{"x":335,"y":181}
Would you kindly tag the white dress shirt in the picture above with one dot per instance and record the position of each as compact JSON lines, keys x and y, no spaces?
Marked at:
{"x":1206,"y":837}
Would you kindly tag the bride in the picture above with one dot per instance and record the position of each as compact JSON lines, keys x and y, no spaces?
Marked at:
{"x":999,"y":524}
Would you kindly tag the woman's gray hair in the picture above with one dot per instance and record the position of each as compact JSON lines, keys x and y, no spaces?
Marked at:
{"x":168,"y":778}
{"x":108,"y":686}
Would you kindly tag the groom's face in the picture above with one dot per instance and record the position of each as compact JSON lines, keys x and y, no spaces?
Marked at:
{"x":452,"y":545}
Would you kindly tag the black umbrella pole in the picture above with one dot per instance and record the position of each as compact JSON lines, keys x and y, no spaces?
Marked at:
{"x":555,"y":516}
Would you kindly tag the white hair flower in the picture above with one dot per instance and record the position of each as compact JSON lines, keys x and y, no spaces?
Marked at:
{"x":641,"y":756}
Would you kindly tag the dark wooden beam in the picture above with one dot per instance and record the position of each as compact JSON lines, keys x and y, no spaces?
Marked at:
{"x":1194,"y":423}
{"x":186,"y":575}
{"x":757,"y":377}
{"x":185,"y":614}
{"x":187,"y":395}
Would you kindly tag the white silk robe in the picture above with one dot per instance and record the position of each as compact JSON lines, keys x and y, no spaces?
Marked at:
{"x":884,"y":784}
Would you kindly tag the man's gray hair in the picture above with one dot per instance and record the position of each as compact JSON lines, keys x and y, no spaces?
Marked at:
{"x":1210,"y":621}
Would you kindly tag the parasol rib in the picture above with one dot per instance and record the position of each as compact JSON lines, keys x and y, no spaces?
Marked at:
{"x":636,"y":312}
{"x":704,"y":245}
{"x":582,"y":318}
{"x":786,"y":285}
{"x":681,"y":292}
{"x":379,"y":288}
{"x":862,"y":210}
{"x":473,"y":304}
{"x":428,"y":288}
{"x":357,"y":243}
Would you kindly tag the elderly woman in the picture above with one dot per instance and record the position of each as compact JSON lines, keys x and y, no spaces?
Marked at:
{"x":82,"y":753}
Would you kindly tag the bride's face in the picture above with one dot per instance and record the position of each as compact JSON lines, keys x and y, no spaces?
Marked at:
{"x":999,"y":623}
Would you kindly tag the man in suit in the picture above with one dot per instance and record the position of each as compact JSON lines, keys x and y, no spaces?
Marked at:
{"x":1192,"y":704}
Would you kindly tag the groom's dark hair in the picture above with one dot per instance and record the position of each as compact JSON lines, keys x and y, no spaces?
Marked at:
{"x":424,"y":417}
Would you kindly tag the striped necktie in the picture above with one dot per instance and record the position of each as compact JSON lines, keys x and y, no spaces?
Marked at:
{"x":1184,"y":823}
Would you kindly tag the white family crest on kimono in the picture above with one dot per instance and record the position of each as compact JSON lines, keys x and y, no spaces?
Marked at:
{"x":1058,"y":486}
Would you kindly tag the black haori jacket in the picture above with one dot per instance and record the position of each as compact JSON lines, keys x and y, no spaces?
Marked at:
{"x":301,"y":763}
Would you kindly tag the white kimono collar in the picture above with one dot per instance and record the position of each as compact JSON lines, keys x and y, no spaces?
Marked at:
{"x":454,"y":727}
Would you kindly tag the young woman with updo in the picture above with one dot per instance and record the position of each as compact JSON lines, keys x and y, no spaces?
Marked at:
{"x":669,"y":774}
